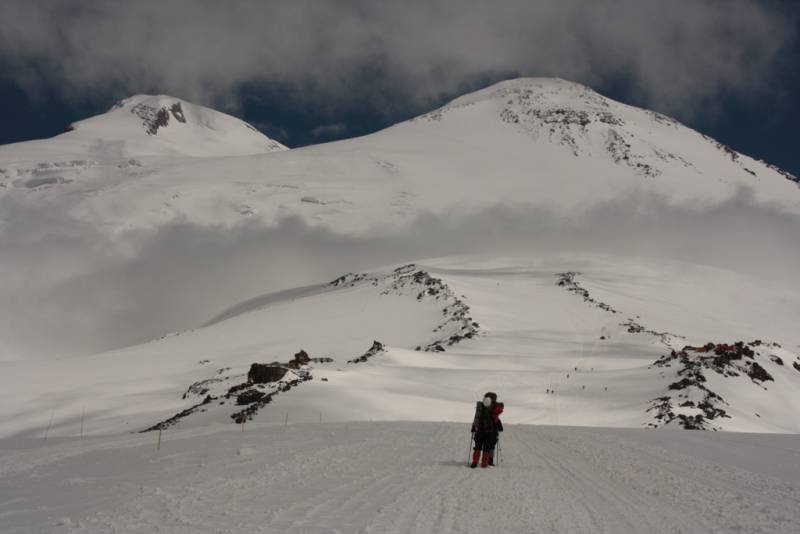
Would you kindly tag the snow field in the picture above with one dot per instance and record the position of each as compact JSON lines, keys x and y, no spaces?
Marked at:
{"x":401,"y":477}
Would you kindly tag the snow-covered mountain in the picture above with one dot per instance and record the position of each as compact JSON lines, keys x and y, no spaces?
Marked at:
{"x":544,"y":142}
{"x":569,"y":339}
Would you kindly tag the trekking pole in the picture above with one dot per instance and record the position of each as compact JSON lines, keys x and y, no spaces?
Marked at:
{"x":469,"y":447}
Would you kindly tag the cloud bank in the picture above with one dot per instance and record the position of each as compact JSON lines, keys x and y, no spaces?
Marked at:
{"x":676,"y":56}
{"x":66,"y":288}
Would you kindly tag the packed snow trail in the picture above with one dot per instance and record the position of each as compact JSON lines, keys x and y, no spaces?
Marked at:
{"x":401,"y":477}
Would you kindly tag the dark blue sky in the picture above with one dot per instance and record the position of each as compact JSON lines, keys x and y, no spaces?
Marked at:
{"x":40,"y":98}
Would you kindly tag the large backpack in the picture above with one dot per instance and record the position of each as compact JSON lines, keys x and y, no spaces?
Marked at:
{"x":483,"y":421}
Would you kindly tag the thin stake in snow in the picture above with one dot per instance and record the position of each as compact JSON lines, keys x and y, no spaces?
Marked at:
{"x":49,"y":424}
{"x":158,"y":443}
{"x":83,"y":414}
{"x":286,"y":420}
{"x":499,"y":451}
{"x":243,"y":420}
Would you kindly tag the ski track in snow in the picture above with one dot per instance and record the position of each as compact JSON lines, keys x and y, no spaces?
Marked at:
{"x":399,"y":477}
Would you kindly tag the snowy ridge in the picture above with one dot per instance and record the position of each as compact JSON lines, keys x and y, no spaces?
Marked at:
{"x":568,"y":282}
{"x":376,"y":349}
{"x":456,"y":326}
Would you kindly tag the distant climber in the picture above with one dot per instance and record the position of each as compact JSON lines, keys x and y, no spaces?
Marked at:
{"x":486,"y":427}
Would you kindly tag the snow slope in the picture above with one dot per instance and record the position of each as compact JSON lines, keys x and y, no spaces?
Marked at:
{"x":544,"y":142}
{"x":401,"y":477}
{"x":449,"y":330}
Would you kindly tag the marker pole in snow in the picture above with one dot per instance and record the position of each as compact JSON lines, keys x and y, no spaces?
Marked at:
{"x":49,"y":424}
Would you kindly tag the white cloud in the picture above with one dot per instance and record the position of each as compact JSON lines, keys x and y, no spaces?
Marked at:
{"x":66,"y":288}
{"x":329,"y":130}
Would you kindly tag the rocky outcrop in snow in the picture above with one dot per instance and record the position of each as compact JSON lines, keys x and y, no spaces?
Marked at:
{"x":568,"y":282}
{"x":154,"y":118}
{"x":690,"y":401}
{"x":263,"y":382}
{"x":456,"y":325}
{"x":575,"y":117}
{"x":376,"y":348}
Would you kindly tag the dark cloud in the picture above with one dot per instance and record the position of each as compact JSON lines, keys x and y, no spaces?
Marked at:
{"x":676,"y":55}
{"x":66,"y":288}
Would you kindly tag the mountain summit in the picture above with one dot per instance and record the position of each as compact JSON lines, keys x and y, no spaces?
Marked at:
{"x":570,"y":118}
{"x":148,"y":126}
{"x":165,"y":124}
